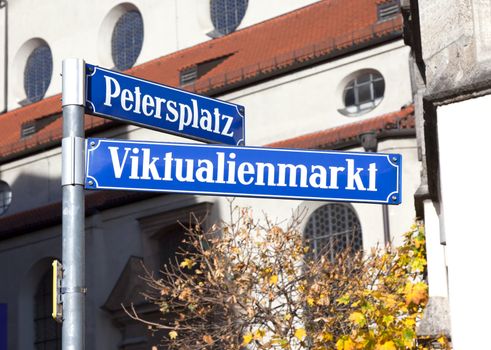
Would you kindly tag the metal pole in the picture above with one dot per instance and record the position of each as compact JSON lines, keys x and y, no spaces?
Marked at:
{"x":385,"y":216}
{"x":72,"y":178}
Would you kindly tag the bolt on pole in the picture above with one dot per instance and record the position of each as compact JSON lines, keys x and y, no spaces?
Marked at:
{"x":73,"y":204}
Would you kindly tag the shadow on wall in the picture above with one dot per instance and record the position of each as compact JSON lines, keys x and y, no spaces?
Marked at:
{"x":24,"y":332}
{"x":30,"y":191}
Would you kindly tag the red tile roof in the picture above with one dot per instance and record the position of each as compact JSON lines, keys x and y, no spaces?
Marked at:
{"x":318,"y":32}
{"x":349,"y":133}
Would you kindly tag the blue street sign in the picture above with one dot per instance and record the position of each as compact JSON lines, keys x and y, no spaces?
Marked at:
{"x":163,"y":108}
{"x":243,"y":171}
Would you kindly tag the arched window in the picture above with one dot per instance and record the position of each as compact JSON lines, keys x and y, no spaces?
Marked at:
{"x":127,"y":40}
{"x":363,"y":93}
{"x":333,"y":228}
{"x":47,"y":331}
{"x":226,"y":15}
{"x":37,"y":73}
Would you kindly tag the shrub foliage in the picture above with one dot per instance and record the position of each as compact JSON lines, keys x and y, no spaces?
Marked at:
{"x":255,"y":285}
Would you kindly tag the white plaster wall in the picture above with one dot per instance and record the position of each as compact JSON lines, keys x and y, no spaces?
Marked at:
{"x":402,"y":216}
{"x":35,"y":180}
{"x":82,"y":29}
{"x":435,"y":252}
{"x":260,"y":10}
{"x":463,"y":132}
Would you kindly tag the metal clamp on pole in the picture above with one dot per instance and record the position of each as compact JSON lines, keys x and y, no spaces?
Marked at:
{"x":72,"y":162}
{"x":73,"y":211}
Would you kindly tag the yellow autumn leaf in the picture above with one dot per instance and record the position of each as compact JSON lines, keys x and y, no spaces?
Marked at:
{"x":409,"y":322}
{"x":172,"y":335}
{"x":389,"y":345}
{"x":208,"y":339}
{"x":442,"y":340}
{"x":288,"y":317}
{"x":358,"y":318}
{"x":388,"y":319}
{"x":416,"y":293}
{"x":345,"y":344}
{"x":345,"y":299}
{"x":247,"y":338}
{"x":259,"y":334}
{"x":310,"y":301}
{"x":187,"y":263}
{"x":326,"y":336}
{"x":273,"y":280}
{"x":300,"y":333}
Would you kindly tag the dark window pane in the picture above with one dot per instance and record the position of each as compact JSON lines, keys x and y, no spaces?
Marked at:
{"x":349,"y":97}
{"x":226,"y":15}
{"x":379,"y":88}
{"x":127,"y":40}
{"x":47,"y":330}
{"x":364,"y":94}
{"x":37,"y":73}
{"x":363,"y":78}
{"x":333,"y":228}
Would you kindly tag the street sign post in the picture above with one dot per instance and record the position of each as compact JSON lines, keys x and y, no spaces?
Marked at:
{"x":73,"y":203}
{"x":122,"y":97}
{"x":243,"y":171}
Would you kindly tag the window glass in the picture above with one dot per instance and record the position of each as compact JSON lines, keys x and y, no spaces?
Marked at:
{"x":37,"y":73}
{"x":349,"y":96}
{"x":127,"y":40}
{"x":333,"y":228}
{"x":379,"y":87}
{"x":363,"y":93}
{"x":226,"y":15}
{"x":47,"y":330}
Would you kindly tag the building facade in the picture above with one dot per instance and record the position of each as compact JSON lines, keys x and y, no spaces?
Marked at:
{"x":452,"y":108}
{"x":332,"y":74}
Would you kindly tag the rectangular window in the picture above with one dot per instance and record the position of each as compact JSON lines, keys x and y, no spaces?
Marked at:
{"x":27,"y":129}
{"x":388,"y":10}
{"x":31,"y":127}
{"x":188,"y":76}
{"x":191,"y":74}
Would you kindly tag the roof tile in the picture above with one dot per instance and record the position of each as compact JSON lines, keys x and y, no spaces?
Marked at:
{"x":403,"y":119}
